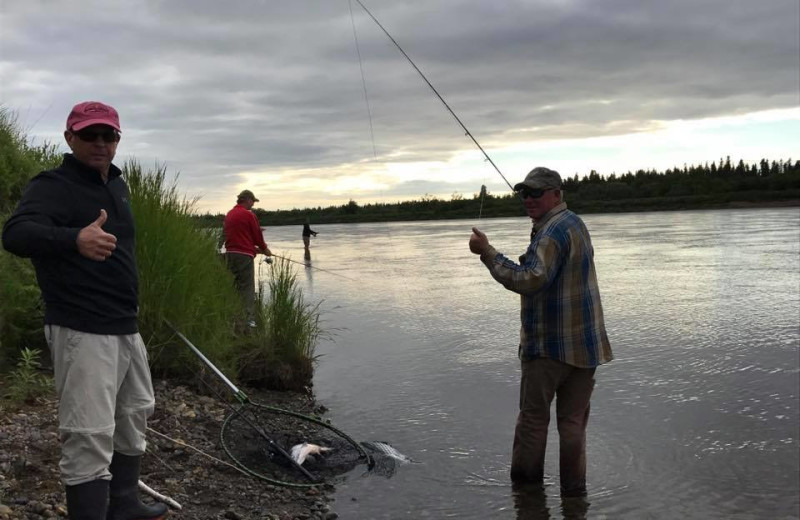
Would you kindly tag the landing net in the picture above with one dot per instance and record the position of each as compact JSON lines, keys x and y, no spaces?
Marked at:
{"x":258,"y":439}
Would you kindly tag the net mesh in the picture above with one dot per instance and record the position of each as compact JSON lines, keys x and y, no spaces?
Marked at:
{"x":259,"y":437}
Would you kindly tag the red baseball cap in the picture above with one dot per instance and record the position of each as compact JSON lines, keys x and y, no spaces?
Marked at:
{"x":92,"y":113}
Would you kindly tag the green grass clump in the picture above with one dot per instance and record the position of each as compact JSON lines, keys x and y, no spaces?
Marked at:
{"x":283,"y":356}
{"x":25,"y":382}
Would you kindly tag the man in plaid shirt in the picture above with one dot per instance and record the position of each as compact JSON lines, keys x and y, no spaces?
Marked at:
{"x":563,"y":336}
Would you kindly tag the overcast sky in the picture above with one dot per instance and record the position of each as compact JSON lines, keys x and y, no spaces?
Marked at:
{"x":268,"y":95}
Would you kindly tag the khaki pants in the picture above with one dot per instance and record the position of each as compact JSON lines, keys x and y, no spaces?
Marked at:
{"x":242,"y":267}
{"x":543,"y":379}
{"x":105,"y":397}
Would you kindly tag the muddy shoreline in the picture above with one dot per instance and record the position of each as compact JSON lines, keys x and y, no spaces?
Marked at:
{"x":207,"y":489}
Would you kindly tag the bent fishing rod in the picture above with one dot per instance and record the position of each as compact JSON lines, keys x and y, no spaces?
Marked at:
{"x":468,"y":133}
{"x":244,"y":400}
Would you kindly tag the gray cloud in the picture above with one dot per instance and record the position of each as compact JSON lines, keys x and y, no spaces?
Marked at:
{"x":219,"y":88}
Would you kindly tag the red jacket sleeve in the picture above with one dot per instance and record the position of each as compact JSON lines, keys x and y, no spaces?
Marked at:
{"x":258,"y":236}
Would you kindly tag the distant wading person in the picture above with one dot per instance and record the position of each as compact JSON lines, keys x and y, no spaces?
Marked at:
{"x":307,"y":232}
{"x":563,"y":336}
{"x":243,"y":240}
{"x":76,"y":225}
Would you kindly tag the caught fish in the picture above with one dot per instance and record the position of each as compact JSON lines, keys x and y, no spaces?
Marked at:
{"x":386,"y":449}
{"x":300,"y":452}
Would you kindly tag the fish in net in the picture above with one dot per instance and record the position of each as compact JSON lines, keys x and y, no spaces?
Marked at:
{"x":260,"y":439}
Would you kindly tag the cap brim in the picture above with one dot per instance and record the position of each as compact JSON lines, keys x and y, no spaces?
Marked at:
{"x":90,"y":122}
{"x":528,"y":184}
{"x":535,"y":186}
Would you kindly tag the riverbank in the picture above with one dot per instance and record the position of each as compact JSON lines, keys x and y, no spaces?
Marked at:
{"x":207,"y":489}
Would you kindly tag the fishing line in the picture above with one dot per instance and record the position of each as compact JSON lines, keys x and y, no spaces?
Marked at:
{"x":314,"y":267}
{"x":466,"y":130}
{"x":483,"y":197}
{"x":366,"y":98}
{"x":363,"y":79}
{"x":305,"y":265}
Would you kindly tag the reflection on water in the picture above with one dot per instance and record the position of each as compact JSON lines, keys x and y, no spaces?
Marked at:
{"x":531,"y":503}
{"x":697,"y":417}
{"x":309,"y":268}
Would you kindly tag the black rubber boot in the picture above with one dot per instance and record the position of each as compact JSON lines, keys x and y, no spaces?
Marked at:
{"x":124,"y":492}
{"x":88,"y":501}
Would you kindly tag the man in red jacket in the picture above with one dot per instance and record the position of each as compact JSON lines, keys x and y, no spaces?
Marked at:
{"x":243,"y":240}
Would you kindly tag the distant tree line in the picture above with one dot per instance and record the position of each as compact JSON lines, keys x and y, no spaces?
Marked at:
{"x":713,"y":185}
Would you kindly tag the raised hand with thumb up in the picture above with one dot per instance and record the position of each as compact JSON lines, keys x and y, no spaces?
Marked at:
{"x":93,"y":242}
{"x":478,"y":242}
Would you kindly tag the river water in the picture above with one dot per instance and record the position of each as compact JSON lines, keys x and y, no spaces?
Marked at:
{"x":697,"y":417}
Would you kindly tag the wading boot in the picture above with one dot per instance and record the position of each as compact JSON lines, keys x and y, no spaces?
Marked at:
{"x":87,"y":501}
{"x":124,"y":501}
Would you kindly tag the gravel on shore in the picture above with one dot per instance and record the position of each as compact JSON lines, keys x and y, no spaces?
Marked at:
{"x":208,"y":490}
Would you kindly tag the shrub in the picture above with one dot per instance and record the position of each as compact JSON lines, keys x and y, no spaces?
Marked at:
{"x":20,"y":307}
{"x":25,"y":382}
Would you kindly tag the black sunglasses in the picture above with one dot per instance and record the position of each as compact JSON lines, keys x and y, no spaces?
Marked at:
{"x":533,"y":193}
{"x":90,"y":136}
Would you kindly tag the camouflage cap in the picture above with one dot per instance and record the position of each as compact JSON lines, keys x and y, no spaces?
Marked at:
{"x":540,"y":178}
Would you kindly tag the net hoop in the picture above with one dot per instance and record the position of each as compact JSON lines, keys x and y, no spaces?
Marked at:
{"x":227,"y":426}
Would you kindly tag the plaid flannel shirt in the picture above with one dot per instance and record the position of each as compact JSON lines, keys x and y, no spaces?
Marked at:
{"x":562,"y":317}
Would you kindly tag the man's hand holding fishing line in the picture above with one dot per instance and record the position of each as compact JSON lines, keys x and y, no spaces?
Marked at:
{"x":478,"y":242}
{"x":267,"y":254}
{"x":93,"y":242}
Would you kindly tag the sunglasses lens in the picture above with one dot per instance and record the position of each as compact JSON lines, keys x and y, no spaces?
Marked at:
{"x":90,"y":137}
{"x":535,"y":194}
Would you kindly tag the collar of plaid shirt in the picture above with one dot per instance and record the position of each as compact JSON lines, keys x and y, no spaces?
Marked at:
{"x":539,"y":224}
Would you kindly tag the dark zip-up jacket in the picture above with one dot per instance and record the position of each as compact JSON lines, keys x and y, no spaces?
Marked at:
{"x":99,"y":297}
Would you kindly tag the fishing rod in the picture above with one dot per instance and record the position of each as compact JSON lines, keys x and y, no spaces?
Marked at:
{"x":311,"y":266}
{"x":468,"y":133}
{"x":244,"y":400}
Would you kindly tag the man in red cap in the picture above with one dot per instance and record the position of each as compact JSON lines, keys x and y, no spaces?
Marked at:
{"x":243,"y":240}
{"x":76,"y":225}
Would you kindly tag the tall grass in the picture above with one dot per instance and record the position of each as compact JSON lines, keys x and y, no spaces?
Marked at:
{"x":288,"y":330}
{"x":181,"y":277}
{"x":20,"y":304}
{"x":19,"y":160}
